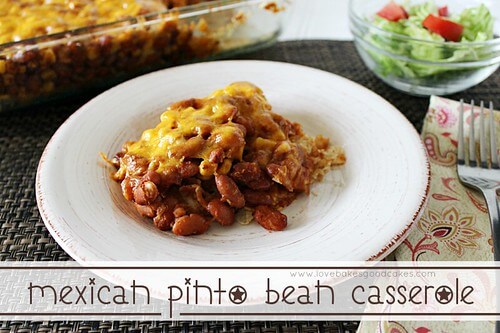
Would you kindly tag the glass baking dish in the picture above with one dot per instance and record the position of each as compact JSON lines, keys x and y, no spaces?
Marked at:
{"x":43,"y":68}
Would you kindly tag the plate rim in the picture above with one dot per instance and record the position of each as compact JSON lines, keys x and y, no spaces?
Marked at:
{"x":380,"y":255}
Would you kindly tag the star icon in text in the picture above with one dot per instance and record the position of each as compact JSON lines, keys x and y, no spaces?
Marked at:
{"x":237,"y":294}
{"x":444,"y":295}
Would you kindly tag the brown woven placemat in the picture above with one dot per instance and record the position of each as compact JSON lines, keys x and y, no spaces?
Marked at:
{"x":178,"y":327}
{"x":24,"y":134}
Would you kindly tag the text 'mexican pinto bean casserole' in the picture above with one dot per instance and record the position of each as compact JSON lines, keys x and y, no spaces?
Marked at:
{"x":211,"y":158}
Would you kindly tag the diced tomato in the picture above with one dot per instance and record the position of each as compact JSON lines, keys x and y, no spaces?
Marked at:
{"x":443,"y":11}
{"x":443,"y":27}
{"x":393,"y":12}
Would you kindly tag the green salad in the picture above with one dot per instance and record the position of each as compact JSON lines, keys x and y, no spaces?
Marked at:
{"x":427,"y":22}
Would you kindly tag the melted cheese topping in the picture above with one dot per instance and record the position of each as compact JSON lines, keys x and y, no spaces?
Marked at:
{"x":196,"y":128}
{"x":30,"y":18}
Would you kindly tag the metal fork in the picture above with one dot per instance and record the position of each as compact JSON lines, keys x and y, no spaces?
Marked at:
{"x":485,"y":175}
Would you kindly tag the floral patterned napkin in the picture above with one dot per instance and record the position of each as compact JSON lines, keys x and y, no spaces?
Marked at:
{"x":455,"y":224}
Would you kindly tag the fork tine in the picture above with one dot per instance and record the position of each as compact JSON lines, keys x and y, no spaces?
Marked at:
{"x":461,"y":145}
{"x":482,"y":138}
{"x":493,"y":140}
{"x":472,"y":138}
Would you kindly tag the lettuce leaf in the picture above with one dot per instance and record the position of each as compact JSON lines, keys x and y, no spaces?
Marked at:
{"x":478,"y":26}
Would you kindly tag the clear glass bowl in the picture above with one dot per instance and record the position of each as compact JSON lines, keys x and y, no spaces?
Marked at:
{"x":416,"y":74}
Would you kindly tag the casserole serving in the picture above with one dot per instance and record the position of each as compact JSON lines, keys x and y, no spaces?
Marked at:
{"x":211,"y":158}
{"x":53,"y":48}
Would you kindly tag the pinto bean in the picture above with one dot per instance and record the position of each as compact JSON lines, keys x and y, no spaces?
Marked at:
{"x":263,"y":183}
{"x":179,"y":211}
{"x":270,"y":218}
{"x":192,"y":224}
{"x":229,"y":137}
{"x":189,"y":149}
{"x":229,"y":191}
{"x":216,"y":156}
{"x":171,"y":177}
{"x":188,"y":169}
{"x":247,"y":123}
{"x":221,"y":212}
{"x":165,"y":212}
{"x":145,"y":193}
{"x":245,"y":171}
{"x":136,"y":165}
{"x":257,"y":198}
{"x":250,"y":174}
{"x":127,"y":186}
{"x":148,"y":211}
{"x":164,"y":218}
{"x":153,"y":176}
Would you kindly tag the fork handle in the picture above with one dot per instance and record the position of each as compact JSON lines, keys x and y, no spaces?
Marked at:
{"x":492,"y":198}
{"x":493,"y":202}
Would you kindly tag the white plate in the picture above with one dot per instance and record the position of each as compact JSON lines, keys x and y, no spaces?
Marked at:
{"x":385,"y":180}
